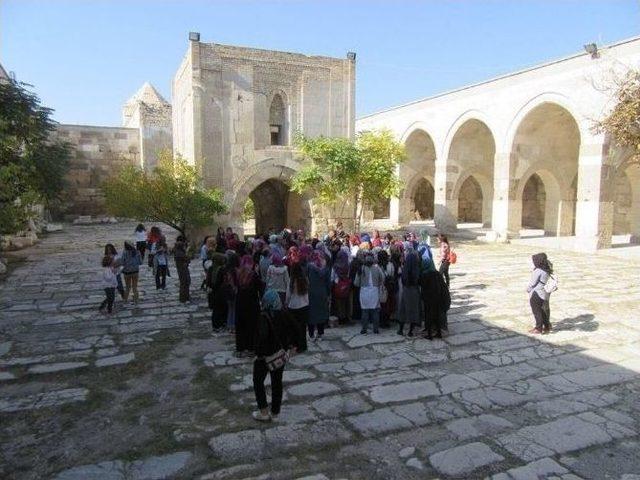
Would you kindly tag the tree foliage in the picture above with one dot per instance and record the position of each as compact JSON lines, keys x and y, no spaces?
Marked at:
{"x":623,"y":122}
{"x":33,"y":164}
{"x":172,"y":194}
{"x":339,"y":170}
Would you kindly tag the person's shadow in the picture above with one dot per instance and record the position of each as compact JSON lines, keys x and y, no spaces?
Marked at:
{"x":584,"y":323}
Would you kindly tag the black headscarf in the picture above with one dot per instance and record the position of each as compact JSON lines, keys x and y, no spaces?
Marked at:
{"x":541,"y":261}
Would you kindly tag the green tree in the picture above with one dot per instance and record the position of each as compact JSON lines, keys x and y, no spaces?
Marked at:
{"x":172,"y":194}
{"x":340,"y":170}
{"x":249,"y":210}
{"x":622,"y":124}
{"x":33,"y":164}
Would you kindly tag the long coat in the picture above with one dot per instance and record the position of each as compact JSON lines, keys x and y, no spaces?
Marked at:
{"x":319,"y":289}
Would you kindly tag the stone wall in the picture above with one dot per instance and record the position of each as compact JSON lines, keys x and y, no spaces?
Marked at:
{"x":96,"y":154}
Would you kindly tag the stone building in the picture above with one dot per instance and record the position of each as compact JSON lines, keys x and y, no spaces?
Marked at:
{"x":98,"y":152}
{"x":519,"y":152}
{"x":235,"y":112}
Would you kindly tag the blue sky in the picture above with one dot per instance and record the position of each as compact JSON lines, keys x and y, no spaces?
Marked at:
{"x":85,"y":58}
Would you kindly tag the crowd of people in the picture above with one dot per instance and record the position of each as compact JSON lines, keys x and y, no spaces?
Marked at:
{"x":278,"y":291}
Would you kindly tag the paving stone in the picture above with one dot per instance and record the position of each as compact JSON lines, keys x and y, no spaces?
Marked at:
{"x":312,"y":389}
{"x":401,"y":392}
{"x":57,"y":367}
{"x":543,"y":468}
{"x":378,"y":421}
{"x":407,"y":452}
{"x":5,"y":347}
{"x":456,"y":382}
{"x":341,"y":405}
{"x":563,"y":435}
{"x":470,"y":427}
{"x":415,"y":463}
{"x":464,"y":459}
{"x":43,"y":400}
{"x":246,"y":444}
{"x":117,"y":360}
{"x":6,"y":376}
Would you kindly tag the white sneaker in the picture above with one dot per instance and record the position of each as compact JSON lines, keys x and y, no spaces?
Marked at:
{"x":261,"y":417}
{"x":275,"y":418}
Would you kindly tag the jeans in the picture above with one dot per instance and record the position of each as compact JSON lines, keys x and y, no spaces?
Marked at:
{"x":231,"y":314}
{"x":370,"y":314}
{"x":312,"y":329}
{"x":110,"y":293}
{"x":444,"y":270}
{"x":120,"y":287}
{"x":260,"y":372}
{"x":541,"y":311}
{"x":161,"y":276}
{"x":131,"y":282}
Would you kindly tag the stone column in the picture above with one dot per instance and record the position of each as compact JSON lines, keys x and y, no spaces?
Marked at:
{"x":507,"y":212}
{"x":445,"y":210}
{"x":594,"y":206}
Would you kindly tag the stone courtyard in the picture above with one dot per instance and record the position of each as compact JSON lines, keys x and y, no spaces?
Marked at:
{"x":151,"y":393}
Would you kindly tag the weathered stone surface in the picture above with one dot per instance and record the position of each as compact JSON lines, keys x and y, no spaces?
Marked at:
{"x":312,"y":389}
{"x":117,"y":360}
{"x":378,"y":421}
{"x":464,"y":459}
{"x":403,"y":391}
{"x":543,"y":468}
{"x":340,"y":405}
{"x":44,"y":400}
{"x":57,"y":367}
{"x":470,"y":427}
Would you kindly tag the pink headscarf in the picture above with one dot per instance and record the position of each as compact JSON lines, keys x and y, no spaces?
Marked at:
{"x":245,"y":271}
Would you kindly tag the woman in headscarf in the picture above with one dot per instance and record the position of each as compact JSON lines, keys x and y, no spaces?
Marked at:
{"x":376,"y":241}
{"x":435,"y":298}
{"x":410,"y":301}
{"x":538,"y":296}
{"x":297,"y":302}
{"x":391,"y":284}
{"x":275,"y":332}
{"x":229,"y":287}
{"x":278,"y":277}
{"x":293,"y":256}
{"x":370,"y":279}
{"x":217,"y":302}
{"x":247,"y":306}
{"x":341,"y":286}
{"x":319,"y":274}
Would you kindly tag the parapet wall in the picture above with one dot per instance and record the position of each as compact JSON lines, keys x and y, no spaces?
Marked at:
{"x":97,"y":153}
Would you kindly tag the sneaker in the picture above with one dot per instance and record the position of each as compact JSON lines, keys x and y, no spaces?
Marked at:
{"x":363,"y":331}
{"x":275,"y":417}
{"x":261,"y":417}
{"x":376,"y":331}
{"x":535,"y":331}
{"x":319,"y":338}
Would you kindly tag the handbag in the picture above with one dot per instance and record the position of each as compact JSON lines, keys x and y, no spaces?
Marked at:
{"x":281,"y":357}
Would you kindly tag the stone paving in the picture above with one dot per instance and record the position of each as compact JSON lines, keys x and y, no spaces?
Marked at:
{"x":150,"y":393}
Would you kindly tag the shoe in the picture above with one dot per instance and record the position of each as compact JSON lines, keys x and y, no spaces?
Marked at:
{"x":535,"y":331}
{"x":363,"y":332}
{"x":400,"y":332}
{"x":376,"y":331}
{"x":319,"y":338}
{"x":410,"y":334}
{"x":275,"y":417}
{"x":261,"y":417}
{"x":437,"y":335}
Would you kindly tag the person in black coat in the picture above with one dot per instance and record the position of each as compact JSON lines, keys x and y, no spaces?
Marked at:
{"x":436,"y":300}
{"x":275,"y":330}
{"x":216,"y":299}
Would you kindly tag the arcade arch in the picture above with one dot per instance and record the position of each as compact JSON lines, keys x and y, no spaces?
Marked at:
{"x":418,"y":172}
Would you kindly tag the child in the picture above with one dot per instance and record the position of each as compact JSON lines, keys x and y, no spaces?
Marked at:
{"x":109,"y":282}
{"x":445,"y":260}
{"x":160,"y":263}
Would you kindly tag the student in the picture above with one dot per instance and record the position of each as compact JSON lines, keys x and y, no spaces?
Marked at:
{"x":275,"y":333}
{"x":110,"y":250}
{"x":140,"y":234}
{"x":182,"y":260}
{"x":109,"y":283}
{"x":247,"y":306}
{"x":341,"y":289}
{"x":538,"y":296}
{"x":435,"y":298}
{"x":278,"y":277}
{"x":370,"y":279}
{"x":130,"y":261}
{"x":297,"y":301}
{"x":153,"y":236}
{"x":216,"y":300}
{"x":410,"y":301}
{"x":445,"y":251}
{"x":161,"y":263}
{"x":319,"y":274}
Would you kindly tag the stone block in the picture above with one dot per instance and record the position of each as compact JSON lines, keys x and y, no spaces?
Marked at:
{"x":465,"y":459}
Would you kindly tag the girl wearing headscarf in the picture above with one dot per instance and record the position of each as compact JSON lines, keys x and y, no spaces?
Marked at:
{"x":445,"y":260}
{"x":410,"y":301}
{"x":293,"y":256}
{"x":297,"y":302}
{"x":319,"y":274}
{"x":435,"y":298}
{"x":391,"y":284}
{"x":130,"y":261}
{"x":247,"y":306}
{"x":182,"y":259}
{"x":217,"y":302}
{"x":341,"y":286}
{"x":229,"y":287}
{"x":275,"y":330}
{"x":538,"y":296}
{"x":370,"y":279}
{"x":376,"y":241}
{"x":278,"y":277}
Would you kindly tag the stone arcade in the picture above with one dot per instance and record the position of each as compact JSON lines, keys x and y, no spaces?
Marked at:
{"x":516,"y":152}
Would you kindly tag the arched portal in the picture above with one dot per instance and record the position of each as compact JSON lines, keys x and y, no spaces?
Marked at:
{"x":546,"y":143}
{"x":275,"y":207}
{"x":470,"y":201}
{"x":423,"y":200}
{"x":533,"y":203}
{"x":418,"y":172}
{"x":471,"y":154}
{"x":626,"y":207}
